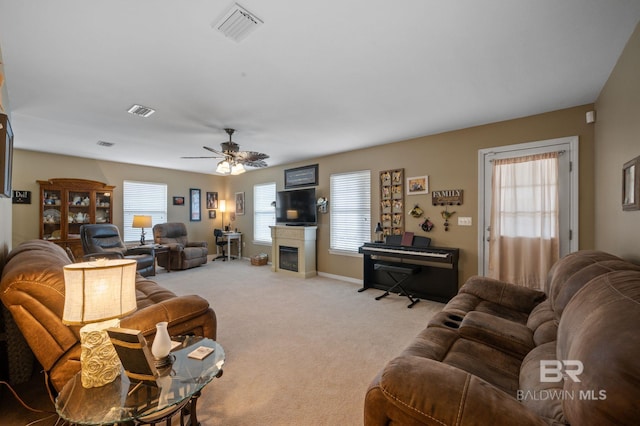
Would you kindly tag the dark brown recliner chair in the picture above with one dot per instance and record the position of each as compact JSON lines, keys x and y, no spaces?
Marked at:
{"x":184,"y":254}
{"x":103,"y":240}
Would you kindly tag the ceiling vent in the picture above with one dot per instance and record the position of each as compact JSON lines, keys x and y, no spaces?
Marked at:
{"x":141,"y":111}
{"x":104,"y":143}
{"x":237,"y":23}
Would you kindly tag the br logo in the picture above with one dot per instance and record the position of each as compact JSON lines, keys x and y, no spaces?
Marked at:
{"x":555,"y":371}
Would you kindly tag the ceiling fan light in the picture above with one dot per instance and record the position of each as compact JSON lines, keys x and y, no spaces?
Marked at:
{"x":223,"y":167}
{"x":237,"y":169}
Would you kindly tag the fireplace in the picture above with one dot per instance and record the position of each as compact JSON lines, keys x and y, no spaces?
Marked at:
{"x":289,"y":258}
{"x":293,"y":250}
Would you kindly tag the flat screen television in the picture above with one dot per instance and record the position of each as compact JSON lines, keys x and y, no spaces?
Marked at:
{"x":296,"y":207}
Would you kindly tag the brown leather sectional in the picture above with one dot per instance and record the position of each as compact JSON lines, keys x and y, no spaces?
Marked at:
{"x":500,"y":354}
{"x":32,"y":288}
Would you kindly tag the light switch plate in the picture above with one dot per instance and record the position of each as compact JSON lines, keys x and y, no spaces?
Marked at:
{"x":464,"y":221}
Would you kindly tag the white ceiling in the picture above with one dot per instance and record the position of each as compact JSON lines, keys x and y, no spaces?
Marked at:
{"x":318,"y":77}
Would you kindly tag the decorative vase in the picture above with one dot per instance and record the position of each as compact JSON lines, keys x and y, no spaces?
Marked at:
{"x":161,"y":345}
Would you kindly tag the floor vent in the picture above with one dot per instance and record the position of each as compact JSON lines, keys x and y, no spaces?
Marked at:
{"x":237,"y":23}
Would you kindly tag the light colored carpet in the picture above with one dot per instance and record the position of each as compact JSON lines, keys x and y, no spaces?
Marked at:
{"x":298,"y":352}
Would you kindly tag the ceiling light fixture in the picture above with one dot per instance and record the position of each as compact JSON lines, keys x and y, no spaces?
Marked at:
{"x":223,"y":167}
{"x":141,"y":110}
{"x":230,"y":167}
{"x":237,"y":23}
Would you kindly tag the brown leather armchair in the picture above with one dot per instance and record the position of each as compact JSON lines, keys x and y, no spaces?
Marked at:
{"x":103,"y":240}
{"x":33,"y":289}
{"x":184,"y":254}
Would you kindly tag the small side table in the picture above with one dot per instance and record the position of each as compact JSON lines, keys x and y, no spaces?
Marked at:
{"x":162,"y":250}
{"x":121,"y":401}
{"x":229,"y":235}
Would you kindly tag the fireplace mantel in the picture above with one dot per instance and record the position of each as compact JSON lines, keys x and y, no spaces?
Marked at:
{"x":302,"y":238}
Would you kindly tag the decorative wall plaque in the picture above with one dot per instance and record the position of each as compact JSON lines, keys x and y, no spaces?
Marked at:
{"x":448,"y":197}
{"x":392,"y":202}
{"x":21,"y":197}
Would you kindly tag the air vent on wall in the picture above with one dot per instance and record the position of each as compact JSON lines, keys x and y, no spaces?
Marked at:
{"x":141,"y":111}
{"x":237,"y":23}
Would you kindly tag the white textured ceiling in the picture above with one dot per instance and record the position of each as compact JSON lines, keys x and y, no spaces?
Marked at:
{"x":318,"y":77}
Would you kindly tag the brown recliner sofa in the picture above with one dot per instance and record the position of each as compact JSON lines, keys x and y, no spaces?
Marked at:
{"x":184,"y":254}
{"x":32,"y":289}
{"x":500,"y":354}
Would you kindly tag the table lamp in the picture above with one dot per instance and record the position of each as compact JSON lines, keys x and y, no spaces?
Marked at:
{"x":378,"y":231}
{"x":140,"y":221}
{"x":97,"y":295}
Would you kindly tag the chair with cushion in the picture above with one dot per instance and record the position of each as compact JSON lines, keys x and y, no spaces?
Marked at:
{"x":220,"y":242}
{"x":184,"y":254}
{"x":103,"y":240}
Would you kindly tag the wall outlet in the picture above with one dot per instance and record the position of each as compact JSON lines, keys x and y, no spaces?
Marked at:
{"x":464,"y":221}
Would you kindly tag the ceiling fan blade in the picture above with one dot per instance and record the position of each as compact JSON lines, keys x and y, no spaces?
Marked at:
{"x":250,"y":156}
{"x":257,"y":163}
{"x":214,"y":151}
{"x":199,"y":157}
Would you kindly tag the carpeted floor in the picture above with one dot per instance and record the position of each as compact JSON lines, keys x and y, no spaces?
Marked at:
{"x":298,"y":352}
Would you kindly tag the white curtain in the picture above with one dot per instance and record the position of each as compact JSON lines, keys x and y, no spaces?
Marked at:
{"x":524,"y":240}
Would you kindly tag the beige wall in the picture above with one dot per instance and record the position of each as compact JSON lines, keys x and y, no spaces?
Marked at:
{"x":450,"y":161}
{"x":618,"y":141}
{"x":31,"y":166}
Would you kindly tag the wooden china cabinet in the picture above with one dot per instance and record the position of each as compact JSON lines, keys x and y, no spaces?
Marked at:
{"x":67,"y":204}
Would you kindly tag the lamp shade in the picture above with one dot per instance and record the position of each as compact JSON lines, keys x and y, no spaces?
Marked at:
{"x":223,"y":167}
{"x":140,"y":221}
{"x":99,"y":290}
{"x":237,"y":169}
{"x":222,"y":205}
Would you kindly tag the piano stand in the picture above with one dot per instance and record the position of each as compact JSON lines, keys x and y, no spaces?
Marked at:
{"x":403,"y":272}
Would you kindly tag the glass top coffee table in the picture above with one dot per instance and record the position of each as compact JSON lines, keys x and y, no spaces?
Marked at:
{"x":123,"y":401}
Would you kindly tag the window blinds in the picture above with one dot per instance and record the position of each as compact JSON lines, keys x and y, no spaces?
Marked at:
{"x":350,"y":210}
{"x":264,"y":214}
{"x":143,"y":198}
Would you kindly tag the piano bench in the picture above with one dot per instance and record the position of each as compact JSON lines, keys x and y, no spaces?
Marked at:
{"x":405,"y":271}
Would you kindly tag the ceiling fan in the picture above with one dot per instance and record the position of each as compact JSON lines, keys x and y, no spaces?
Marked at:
{"x":234,"y":160}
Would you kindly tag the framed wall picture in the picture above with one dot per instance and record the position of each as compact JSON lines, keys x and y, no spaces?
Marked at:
{"x":178,"y":201}
{"x":194,"y":211}
{"x":212,"y":200}
{"x":6,"y":156}
{"x":418,"y":185}
{"x":239,"y":203}
{"x":301,"y":176}
{"x":631,"y":185}
{"x":212,"y":214}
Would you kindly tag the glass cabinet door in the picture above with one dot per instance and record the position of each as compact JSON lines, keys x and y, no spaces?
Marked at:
{"x":52,"y":215}
{"x":79,"y":212}
{"x":103,"y":207}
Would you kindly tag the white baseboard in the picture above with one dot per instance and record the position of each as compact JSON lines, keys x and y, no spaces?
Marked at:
{"x":341,"y":278}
